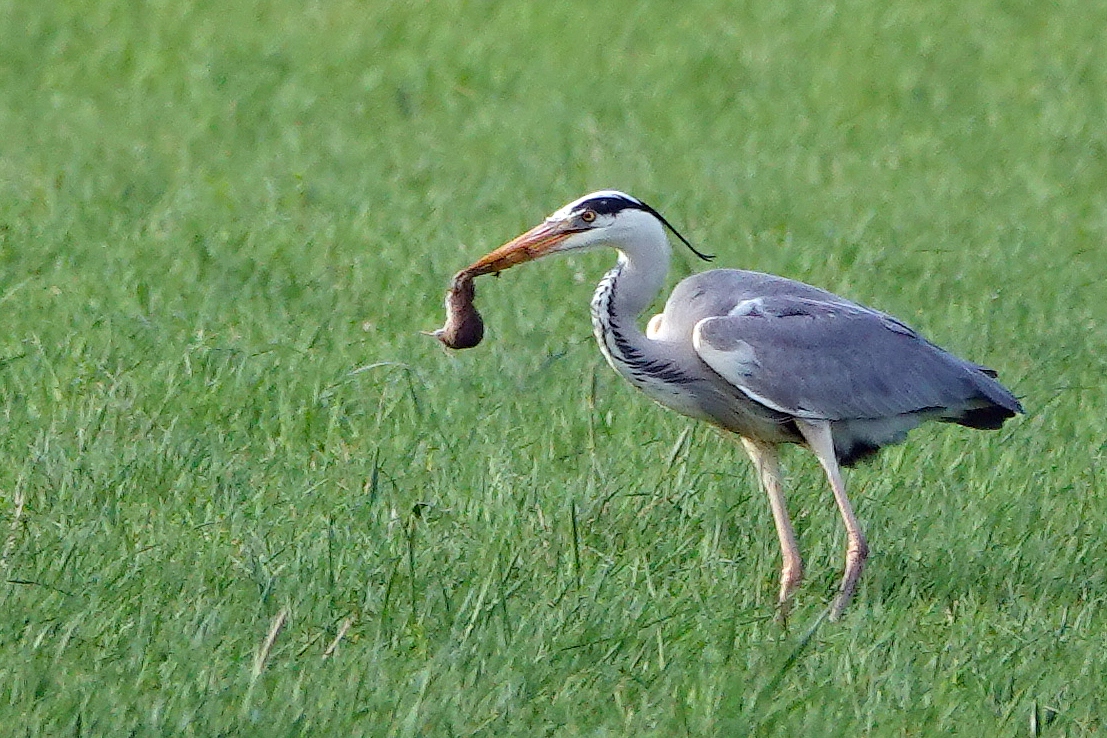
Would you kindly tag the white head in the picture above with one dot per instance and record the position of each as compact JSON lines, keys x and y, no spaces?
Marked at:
{"x":602,"y":218}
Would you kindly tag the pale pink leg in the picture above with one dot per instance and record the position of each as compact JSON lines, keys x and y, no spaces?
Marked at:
{"x":820,"y":441}
{"x":767,"y":462}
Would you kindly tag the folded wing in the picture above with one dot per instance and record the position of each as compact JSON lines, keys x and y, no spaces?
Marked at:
{"x":839,"y":361}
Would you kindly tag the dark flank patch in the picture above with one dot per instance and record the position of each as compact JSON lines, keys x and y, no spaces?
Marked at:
{"x":858,"y":452}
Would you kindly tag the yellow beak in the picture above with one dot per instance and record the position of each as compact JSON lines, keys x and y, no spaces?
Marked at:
{"x":535,"y":243}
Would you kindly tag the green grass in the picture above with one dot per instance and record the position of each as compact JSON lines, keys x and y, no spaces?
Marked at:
{"x":223,"y":225}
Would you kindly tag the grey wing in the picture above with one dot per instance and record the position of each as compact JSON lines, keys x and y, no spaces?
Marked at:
{"x":840,"y":361}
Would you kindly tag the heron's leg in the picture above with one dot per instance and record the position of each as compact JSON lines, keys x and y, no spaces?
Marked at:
{"x":767,"y":462}
{"x":821,"y":442}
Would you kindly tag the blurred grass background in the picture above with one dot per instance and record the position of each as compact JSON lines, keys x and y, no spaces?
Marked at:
{"x":222,"y":226}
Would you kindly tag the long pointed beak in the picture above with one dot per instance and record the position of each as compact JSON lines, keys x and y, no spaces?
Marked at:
{"x":539,"y":241}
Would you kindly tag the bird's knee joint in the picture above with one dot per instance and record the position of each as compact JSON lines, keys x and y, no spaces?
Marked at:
{"x":792,"y":572}
{"x":857,"y":553}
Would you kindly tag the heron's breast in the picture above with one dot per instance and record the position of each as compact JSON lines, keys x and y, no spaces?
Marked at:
{"x":679,"y":397}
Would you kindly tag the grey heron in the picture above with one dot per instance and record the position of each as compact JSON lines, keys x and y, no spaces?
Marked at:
{"x":769,"y":359}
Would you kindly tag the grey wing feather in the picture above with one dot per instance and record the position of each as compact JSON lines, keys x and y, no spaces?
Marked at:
{"x":839,"y":361}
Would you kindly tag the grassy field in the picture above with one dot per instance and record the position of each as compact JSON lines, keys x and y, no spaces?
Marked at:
{"x":241,"y":495}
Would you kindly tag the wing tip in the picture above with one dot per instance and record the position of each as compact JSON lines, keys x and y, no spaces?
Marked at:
{"x":990,"y":417}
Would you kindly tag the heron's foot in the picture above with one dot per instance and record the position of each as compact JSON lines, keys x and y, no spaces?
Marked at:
{"x":856,"y":553}
{"x":790,"y":577}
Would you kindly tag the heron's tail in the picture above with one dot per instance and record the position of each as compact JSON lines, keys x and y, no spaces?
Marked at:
{"x":991,"y":407}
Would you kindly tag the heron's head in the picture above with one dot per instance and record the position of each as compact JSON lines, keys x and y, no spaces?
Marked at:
{"x":603,"y":218}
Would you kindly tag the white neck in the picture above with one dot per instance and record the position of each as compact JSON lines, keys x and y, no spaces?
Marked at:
{"x":624,"y":293}
{"x":643,"y":264}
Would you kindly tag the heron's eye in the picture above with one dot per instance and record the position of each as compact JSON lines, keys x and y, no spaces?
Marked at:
{"x":588,"y":216}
